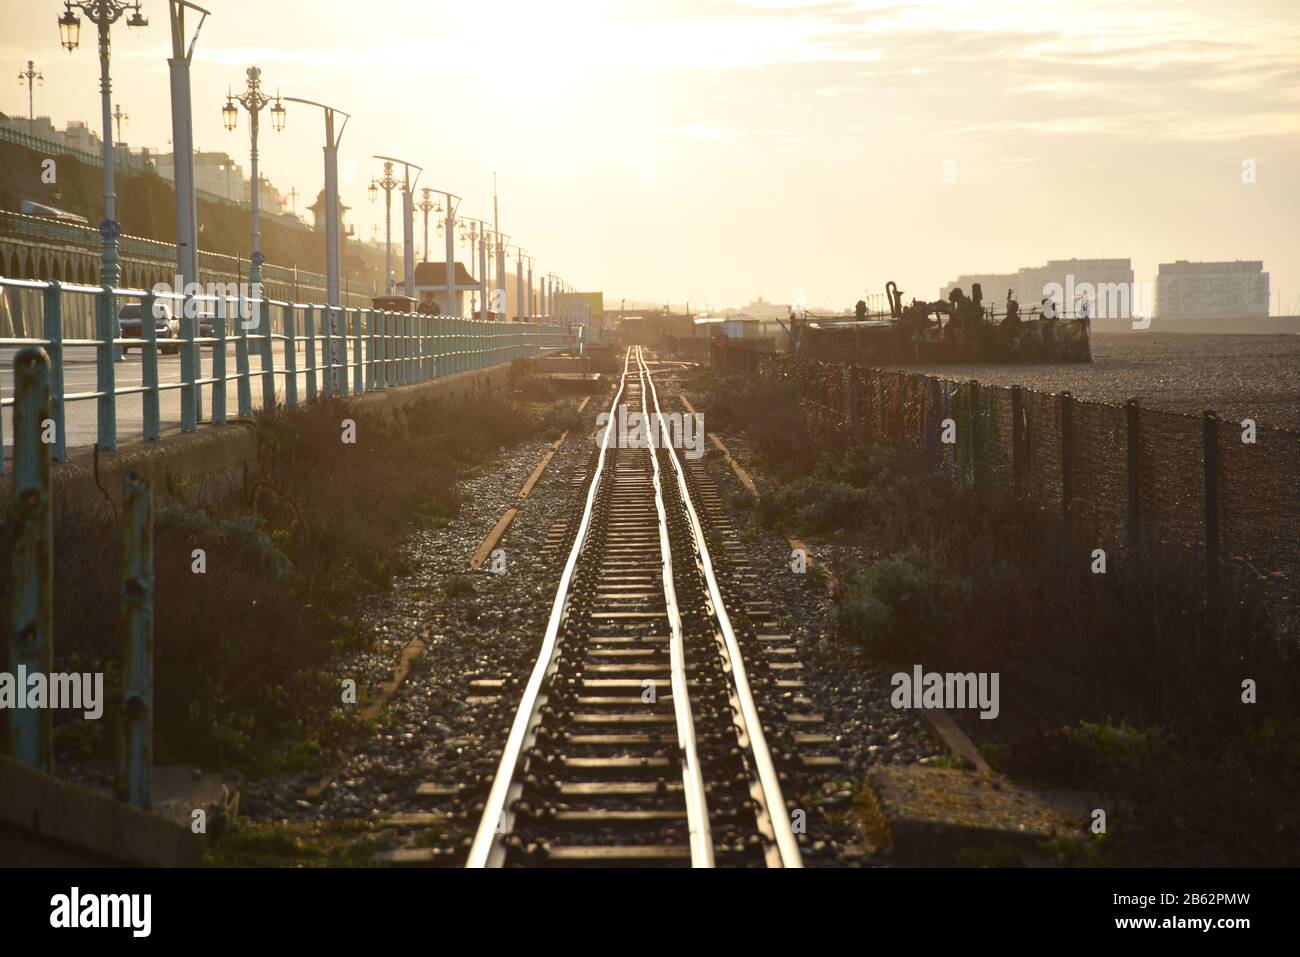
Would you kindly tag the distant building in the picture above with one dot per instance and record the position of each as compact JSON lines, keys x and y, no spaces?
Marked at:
{"x":591,"y":309}
{"x":214,"y":172}
{"x":762,"y":309}
{"x":1221,"y":290}
{"x":1110,"y":280}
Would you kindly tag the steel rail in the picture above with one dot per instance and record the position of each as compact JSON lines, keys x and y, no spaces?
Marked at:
{"x":697,"y":809}
{"x":487,"y":849}
{"x":779,"y":820}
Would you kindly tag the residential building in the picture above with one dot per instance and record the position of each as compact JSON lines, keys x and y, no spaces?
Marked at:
{"x":1221,"y":290}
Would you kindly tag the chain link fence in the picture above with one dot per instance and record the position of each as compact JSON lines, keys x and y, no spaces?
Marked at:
{"x":1141,"y":484}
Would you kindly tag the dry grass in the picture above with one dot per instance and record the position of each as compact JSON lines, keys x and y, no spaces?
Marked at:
{"x":241,"y":651}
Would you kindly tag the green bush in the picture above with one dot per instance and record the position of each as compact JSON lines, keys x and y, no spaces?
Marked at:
{"x":890,"y":607}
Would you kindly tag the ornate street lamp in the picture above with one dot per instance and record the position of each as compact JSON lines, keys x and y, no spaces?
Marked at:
{"x":32,"y":78}
{"x":254,"y":101}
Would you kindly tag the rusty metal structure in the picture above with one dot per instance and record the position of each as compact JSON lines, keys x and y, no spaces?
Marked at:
{"x":959,"y":329}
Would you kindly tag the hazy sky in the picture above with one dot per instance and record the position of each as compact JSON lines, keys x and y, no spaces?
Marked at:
{"x":712,"y":151}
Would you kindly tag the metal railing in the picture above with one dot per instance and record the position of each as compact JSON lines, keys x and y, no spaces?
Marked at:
{"x":343,"y":350}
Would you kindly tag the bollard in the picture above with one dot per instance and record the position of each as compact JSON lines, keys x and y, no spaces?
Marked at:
{"x":31,"y":590}
{"x":135,"y":624}
{"x":149,"y":370}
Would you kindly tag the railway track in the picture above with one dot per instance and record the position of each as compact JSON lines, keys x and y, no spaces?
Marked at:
{"x":641,"y":738}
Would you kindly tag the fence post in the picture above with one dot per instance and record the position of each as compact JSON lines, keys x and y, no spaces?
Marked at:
{"x":31,"y":588}
{"x":219,"y":362}
{"x":53,"y":316}
{"x":290,"y":357}
{"x":1019,"y":446}
{"x":882,"y":430}
{"x":106,"y":329}
{"x":135,"y":752}
{"x":358,"y":358}
{"x":244,"y":386}
{"x":339,"y":362}
{"x":931,"y":416}
{"x":370,"y":349}
{"x":189,"y":363}
{"x":977,"y":440}
{"x":309,"y":353}
{"x":1133,"y":412}
{"x":1067,"y":458}
{"x":855,"y":423}
{"x":268,"y":357}
{"x":149,"y":370}
{"x":327,"y":352}
{"x":1210,"y":439}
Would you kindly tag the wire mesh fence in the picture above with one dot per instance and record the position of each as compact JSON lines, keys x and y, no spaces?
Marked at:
{"x":1134,"y":482}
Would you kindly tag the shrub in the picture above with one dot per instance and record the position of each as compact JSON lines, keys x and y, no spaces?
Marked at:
{"x":890,"y":607}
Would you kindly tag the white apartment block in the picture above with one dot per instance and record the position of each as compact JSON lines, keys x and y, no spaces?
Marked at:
{"x":1193,"y":290}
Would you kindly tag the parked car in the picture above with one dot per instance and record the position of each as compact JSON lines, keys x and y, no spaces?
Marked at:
{"x":166,"y":326}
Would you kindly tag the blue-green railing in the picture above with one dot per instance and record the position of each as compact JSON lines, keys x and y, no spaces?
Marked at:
{"x":303,"y":350}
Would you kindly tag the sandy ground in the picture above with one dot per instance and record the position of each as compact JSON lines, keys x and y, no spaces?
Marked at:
{"x":1238,"y":376}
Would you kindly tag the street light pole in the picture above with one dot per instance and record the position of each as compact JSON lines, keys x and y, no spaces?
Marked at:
{"x":427,"y":206}
{"x":520,"y":307}
{"x":387,"y":183}
{"x":453,"y":305}
{"x":187,"y":236}
{"x":528,"y":307}
{"x":408,"y":219}
{"x":32,"y":77}
{"x":333,"y":228}
{"x":254,"y":100}
{"x":103,"y":14}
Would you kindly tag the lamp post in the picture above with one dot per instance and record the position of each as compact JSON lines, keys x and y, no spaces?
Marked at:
{"x":254,"y":101}
{"x":332,"y":234}
{"x":478,"y":234}
{"x":187,"y":236}
{"x":520,"y":305}
{"x":408,"y":217}
{"x":427,"y":206}
{"x":119,"y":116}
{"x":103,"y":14}
{"x":32,"y":78}
{"x":449,"y":230}
{"x":501,"y":242}
{"x":387,"y":183}
{"x":528,"y":306}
